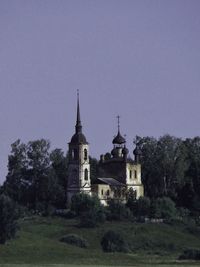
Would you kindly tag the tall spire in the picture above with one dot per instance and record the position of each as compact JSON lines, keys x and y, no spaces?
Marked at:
{"x":118,"y":123}
{"x":78,"y":118}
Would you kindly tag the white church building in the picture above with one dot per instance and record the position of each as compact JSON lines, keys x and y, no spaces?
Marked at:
{"x":118,"y":173}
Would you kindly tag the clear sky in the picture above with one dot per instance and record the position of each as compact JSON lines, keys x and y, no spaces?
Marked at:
{"x":136,"y":58}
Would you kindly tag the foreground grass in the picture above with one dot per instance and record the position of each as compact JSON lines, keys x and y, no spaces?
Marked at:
{"x":37,"y":244}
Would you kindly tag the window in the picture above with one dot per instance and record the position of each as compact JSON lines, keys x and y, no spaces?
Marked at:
{"x":85,"y":154}
{"x":130,"y":174}
{"x":74,"y":154}
{"x":102,"y":192}
{"x":135,"y":174}
{"x":108,"y":192}
{"x":86,"y":174}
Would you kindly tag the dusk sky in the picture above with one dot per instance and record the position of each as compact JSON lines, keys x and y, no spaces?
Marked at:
{"x":139,"y":59}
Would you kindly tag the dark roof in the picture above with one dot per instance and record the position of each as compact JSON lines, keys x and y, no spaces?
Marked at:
{"x":119,"y":139}
{"x":79,"y":138}
{"x":110,"y":181}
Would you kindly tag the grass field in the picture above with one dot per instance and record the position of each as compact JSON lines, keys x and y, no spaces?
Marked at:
{"x":37,"y":244}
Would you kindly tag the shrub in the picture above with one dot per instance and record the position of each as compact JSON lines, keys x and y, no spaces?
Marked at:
{"x":74,"y":240}
{"x":117,"y":211}
{"x":89,"y":209}
{"x":114,"y":242}
{"x":190,"y":254}
{"x":163,"y":208}
{"x":92,"y":218}
{"x":8,"y":218}
{"x":83,"y":203}
{"x":139,"y":207}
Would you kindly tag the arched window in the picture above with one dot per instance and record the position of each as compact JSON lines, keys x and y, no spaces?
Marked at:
{"x":86,"y":174}
{"x":108,"y":192}
{"x":74,"y":154}
{"x":102,"y":192}
{"x":85,"y":154}
{"x":130,"y":174}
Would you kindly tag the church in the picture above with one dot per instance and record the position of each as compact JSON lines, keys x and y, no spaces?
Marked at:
{"x":118,"y":173}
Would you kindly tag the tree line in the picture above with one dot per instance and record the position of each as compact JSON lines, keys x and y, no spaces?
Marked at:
{"x":37,"y":182}
{"x":37,"y":176}
{"x":171,"y":168}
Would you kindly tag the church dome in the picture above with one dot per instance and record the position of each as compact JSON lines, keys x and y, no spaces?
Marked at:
{"x":119,"y":139}
{"x":78,"y":138}
{"x":114,"y":152}
{"x":137,"y":151}
{"x":125,"y":151}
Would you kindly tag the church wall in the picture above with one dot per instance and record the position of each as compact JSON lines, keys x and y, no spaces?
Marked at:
{"x":133,"y":174}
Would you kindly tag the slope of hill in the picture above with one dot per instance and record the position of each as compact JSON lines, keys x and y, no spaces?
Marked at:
{"x":37,"y":242}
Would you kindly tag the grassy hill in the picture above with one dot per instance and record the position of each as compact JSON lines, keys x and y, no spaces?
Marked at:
{"x":37,"y":243}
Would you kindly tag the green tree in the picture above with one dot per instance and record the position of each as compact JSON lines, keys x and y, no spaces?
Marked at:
{"x":89,"y":209}
{"x":16,"y":180}
{"x":117,"y":210}
{"x":36,"y":178}
{"x":164,"y":163}
{"x":93,"y":169}
{"x":163,"y":208}
{"x":192,"y":176}
{"x":8,"y":218}
{"x":139,"y":207}
{"x":59,"y":164}
{"x":114,"y":242}
{"x":39,"y":163}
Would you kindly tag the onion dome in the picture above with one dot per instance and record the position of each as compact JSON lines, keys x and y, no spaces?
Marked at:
{"x":119,"y":139}
{"x":137,"y":151}
{"x":107,"y":156}
{"x":125,"y":151}
{"x":114,"y":152}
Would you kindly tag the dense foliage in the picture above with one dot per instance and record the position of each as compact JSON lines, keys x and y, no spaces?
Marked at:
{"x":171,"y":168}
{"x":89,"y":210}
{"x":117,"y":210}
{"x":114,"y":242}
{"x":170,"y":173}
{"x":8,"y":218}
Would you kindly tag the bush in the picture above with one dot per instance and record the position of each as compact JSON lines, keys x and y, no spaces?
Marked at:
{"x":139,"y":207}
{"x":75,"y":240}
{"x":163,"y":208}
{"x":83,"y":203}
{"x":190,"y":254}
{"x":117,"y":211}
{"x":92,"y":218}
{"x":114,"y":242}
{"x":8,"y":218}
{"x":89,"y":209}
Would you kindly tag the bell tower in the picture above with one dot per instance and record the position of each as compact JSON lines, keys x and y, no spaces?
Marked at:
{"x":79,"y":167}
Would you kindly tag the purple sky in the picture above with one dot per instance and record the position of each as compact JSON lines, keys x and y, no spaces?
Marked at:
{"x":139,"y":59}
